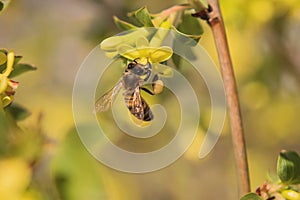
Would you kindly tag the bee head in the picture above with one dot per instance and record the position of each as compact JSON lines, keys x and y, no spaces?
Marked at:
{"x":137,"y":68}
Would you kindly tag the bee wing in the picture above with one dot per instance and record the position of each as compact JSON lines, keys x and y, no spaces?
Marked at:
{"x":137,"y":106}
{"x":162,"y":70}
{"x":105,"y":101}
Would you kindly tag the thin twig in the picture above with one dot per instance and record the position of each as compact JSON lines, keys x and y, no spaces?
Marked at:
{"x":214,"y":18}
{"x":177,"y":8}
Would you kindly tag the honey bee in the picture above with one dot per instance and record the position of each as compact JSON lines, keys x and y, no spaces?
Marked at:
{"x":132,"y":81}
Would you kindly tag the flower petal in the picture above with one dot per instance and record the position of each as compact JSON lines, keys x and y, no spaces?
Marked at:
{"x":161,"y":54}
{"x":142,"y":42}
{"x":128,"y":52}
{"x":3,"y":83}
{"x":9,"y":63}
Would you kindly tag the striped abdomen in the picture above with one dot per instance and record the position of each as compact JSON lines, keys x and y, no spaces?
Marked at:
{"x":137,"y":106}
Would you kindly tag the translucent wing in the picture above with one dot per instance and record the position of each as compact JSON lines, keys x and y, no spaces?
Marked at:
{"x":162,"y":70}
{"x":105,"y":101}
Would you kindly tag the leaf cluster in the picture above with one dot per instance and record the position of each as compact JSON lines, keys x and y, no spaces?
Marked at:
{"x":154,"y":27}
{"x":288,"y":172}
{"x":15,"y":111}
{"x":181,"y":21}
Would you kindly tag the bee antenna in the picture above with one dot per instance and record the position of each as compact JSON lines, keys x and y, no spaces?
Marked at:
{"x":135,"y":60}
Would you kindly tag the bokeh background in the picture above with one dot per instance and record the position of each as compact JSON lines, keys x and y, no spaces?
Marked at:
{"x":50,"y":162}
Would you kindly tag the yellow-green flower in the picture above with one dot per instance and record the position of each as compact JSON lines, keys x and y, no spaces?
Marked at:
{"x":144,"y":52}
{"x":7,"y":86}
{"x":135,"y":45}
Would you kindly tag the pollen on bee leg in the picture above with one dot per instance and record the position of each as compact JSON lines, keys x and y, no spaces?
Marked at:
{"x":158,"y":87}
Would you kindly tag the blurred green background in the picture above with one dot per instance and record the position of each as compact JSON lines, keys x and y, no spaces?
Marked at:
{"x":50,"y":162}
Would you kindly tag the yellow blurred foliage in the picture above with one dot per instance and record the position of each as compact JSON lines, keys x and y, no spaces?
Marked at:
{"x":261,"y":11}
{"x":57,"y":39}
{"x":255,"y":95}
{"x":15,"y":176}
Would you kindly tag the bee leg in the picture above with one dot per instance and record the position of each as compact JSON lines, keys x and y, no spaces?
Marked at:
{"x":148,"y":91}
{"x":155,"y":78}
{"x":157,"y":88}
{"x":157,"y":85}
{"x":148,"y":73}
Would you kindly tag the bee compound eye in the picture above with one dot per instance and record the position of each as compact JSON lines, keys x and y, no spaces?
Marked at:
{"x":131,"y":65}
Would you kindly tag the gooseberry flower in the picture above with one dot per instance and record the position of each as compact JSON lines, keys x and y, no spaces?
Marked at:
{"x":144,"y":51}
{"x":135,"y":46}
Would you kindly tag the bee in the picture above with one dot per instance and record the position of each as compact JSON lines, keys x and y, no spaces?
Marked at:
{"x":132,"y":81}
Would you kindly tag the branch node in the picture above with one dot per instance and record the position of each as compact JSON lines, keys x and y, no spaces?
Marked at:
{"x":208,"y":15}
{"x":203,"y":14}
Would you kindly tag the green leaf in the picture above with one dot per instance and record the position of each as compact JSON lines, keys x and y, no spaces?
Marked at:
{"x":3,"y":4}
{"x":160,"y":34}
{"x":251,"y":196}
{"x":3,"y":54}
{"x":190,"y":26}
{"x":3,"y":122}
{"x":123,"y":25}
{"x":17,"y":59}
{"x":198,"y":5}
{"x":189,"y":31}
{"x":143,"y":16}
{"x":20,"y":69}
{"x":288,"y":167}
{"x":3,"y":51}
{"x":67,"y":170}
{"x":183,"y":46}
{"x":17,"y":111}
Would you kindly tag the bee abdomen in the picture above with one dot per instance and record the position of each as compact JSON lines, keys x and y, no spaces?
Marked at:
{"x":148,"y":116}
{"x":141,"y":111}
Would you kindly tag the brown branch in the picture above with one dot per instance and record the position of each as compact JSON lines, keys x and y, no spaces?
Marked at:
{"x":214,"y":18}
